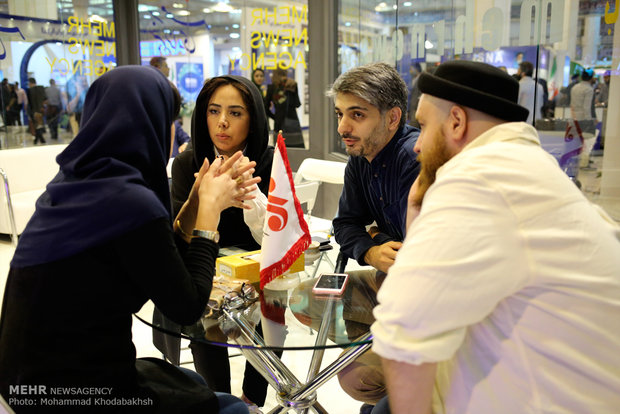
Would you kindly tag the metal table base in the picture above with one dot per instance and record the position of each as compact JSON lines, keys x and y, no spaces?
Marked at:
{"x":291,"y":392}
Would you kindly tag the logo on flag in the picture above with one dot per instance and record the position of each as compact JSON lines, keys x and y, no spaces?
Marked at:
{"x":278,"y":217}
{"x":285,"y":232}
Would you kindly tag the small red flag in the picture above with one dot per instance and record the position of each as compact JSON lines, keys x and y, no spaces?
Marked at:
{"x":286,"y":234}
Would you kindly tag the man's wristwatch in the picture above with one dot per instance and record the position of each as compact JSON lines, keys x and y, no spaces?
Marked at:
{"x":214,"y":236}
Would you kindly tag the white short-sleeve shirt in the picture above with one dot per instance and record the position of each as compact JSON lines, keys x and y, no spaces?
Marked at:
{"x":510,"y":279}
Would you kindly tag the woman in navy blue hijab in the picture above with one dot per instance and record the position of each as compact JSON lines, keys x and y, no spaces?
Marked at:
{"x":101,"y":244}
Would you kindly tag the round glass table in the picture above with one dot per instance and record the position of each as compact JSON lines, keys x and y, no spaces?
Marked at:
{"x":293,"y":318}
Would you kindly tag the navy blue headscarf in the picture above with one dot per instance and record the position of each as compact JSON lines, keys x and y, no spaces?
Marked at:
{"x":112,"y":177}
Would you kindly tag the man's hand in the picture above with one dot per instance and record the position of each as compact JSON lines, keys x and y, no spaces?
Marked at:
{"x":382,"y":257}
{"x":413,"y":203}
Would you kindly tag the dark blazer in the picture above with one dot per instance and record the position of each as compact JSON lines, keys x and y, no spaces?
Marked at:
{"x":285,"y":117}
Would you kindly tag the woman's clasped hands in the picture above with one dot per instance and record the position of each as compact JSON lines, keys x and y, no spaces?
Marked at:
{"x":226,"y":182}
{"x":222,"y":184}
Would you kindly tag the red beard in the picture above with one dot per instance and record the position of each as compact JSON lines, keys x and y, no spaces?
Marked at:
{"x":431,"y":160}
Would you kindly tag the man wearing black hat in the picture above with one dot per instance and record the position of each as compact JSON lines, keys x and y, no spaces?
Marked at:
{"x":500,"y":298}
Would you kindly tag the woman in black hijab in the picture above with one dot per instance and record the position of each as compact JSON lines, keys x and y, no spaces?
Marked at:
{"x":99,"y":245}
{"x":223,"y":138}
{"x":258,"y":79}
{"x":282,"y":93}
{"x":229,"y":116}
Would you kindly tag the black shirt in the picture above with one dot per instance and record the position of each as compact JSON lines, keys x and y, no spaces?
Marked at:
{"x":377,"y":191}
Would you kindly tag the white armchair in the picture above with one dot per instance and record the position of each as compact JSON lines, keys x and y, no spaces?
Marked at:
{"x":313,"y":169}
{"x":311,"y":173}
{"x":24,"y":173}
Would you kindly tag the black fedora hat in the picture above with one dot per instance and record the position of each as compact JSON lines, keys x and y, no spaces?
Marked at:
{"x":475,"y":85}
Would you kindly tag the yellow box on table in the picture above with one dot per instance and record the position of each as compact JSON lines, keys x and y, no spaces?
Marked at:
{"x":247,"y":266}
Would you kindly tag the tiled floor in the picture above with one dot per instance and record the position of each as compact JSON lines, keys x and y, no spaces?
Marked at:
{"x":18,"y":137}
{"x":590,"y":180}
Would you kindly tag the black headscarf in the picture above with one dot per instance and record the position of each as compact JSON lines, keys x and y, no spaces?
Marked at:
{"x":112,"y":176}
{"x":258,"y":85}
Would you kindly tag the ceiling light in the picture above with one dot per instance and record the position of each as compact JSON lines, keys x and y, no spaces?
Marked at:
{"x":97,"y":18}
{"x":155,"y":13}
{"x":206,"y":10}
{"x":382,"y":7}
{"x":347,"y":24}
{"x":234,"y":35}
{"x":223,"y":8}
{"x":407,"y":4}
{"x":428,"y":44}
{"x":147,"y":16}
{"x":183,"y":13}
{"x":177,"y":5}
{"x":141,"y":8}
{"x":235,"y":26}
{"x":170,"y":15}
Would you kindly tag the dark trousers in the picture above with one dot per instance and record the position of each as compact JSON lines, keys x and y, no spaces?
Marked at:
{"x":38,"y":136}
{"x":36,"y":126}
{"x":12,"y":116}
{"x":53,"y":113}
{"x":212,"y":363}
{"x":382,"y":407}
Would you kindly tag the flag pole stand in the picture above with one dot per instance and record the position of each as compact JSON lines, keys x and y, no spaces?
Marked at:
{"x":285,"y":281}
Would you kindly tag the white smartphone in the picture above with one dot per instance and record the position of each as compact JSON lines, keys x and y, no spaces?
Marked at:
{"x":331,"y":284}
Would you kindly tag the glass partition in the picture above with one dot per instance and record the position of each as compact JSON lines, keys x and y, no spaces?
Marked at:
{"x":63,"y":46}
{"x":72,"y":42}
{"x":202,"y":39}
{"x":567,"y":42}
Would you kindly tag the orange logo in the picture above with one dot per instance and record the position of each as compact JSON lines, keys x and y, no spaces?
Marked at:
{"x":279,"y":217}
